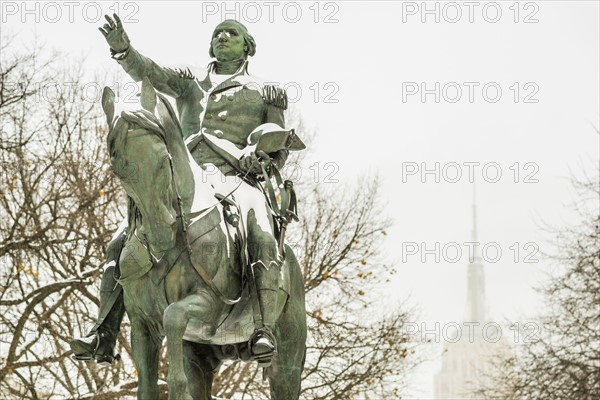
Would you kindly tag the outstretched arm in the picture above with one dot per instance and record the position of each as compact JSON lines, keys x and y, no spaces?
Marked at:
{"x":166,"y":80}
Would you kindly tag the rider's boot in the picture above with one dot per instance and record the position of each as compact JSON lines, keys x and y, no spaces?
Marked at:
{"x":100,"y":342}
{"x":263,"y":343}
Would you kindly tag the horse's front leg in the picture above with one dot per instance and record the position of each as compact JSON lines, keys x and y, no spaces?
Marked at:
{"x":146,"y":350}
{"x":202,"y":366}
{"x":175,"y":320}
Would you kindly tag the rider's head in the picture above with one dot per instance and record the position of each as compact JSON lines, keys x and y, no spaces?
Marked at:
{"x":231,"y":41}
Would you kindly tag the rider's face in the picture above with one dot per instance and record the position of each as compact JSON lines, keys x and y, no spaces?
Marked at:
{"x":227,"y":42}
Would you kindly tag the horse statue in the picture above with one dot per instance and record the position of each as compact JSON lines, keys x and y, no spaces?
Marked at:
{"x":179,"y":268}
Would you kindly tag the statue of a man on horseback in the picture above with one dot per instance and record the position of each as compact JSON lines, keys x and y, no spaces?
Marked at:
{"x":222,"y":110}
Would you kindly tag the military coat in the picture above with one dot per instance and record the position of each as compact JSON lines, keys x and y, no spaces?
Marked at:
{"x":230,"y":110}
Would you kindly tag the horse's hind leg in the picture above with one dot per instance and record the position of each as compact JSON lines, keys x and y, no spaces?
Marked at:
{"x":146,"y":350}
{"x":175,"y":319}
{"x":286,"y":369}
{"x":201,"y":368}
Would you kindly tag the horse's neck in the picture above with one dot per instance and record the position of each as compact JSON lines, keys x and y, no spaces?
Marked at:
{"x":182,"y":172}
{"x":203,"y":183}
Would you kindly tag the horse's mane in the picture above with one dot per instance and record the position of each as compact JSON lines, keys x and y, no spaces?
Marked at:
{"x":133,"y":216}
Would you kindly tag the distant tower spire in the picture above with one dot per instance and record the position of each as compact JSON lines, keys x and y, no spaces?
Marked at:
{"x":475,"y":308}
{"x":474,"y":229}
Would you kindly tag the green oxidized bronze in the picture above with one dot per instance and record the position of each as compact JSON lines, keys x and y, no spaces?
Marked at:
{"x":201,"y":258}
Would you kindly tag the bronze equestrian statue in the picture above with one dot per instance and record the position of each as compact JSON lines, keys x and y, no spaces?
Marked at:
{"x":201,"y":258}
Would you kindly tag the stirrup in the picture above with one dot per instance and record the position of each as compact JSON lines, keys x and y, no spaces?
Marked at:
{"x":106,"y":358}
{"x":84,"y":354}
{"x":102,"y":359}
{"x":262,"y":346}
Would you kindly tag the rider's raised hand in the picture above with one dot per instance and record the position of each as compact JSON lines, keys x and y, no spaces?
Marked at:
{"x":115,"y":34}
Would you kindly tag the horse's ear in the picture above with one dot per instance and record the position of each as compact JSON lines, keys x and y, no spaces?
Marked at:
{"x":148,"y":99}
{"x":108,"y":104}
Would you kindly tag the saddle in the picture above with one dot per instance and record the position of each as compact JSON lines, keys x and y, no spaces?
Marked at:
{"x":239,"y":324}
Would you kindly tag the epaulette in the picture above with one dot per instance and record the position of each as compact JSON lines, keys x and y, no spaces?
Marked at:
{"x":275,"y":95}
{"x":185,"y":74}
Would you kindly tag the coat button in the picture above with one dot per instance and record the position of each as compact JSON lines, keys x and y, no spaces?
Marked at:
{"x":213,"y":96}
{"x":208,"y":116}
{"x":223,"y":117}
{"x":230,"y":97}
{"x":219,"y":134}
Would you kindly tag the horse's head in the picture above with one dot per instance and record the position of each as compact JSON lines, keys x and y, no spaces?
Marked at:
{"x":145,"y":149}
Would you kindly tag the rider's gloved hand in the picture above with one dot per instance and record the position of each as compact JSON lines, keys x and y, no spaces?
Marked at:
{"x":251,"y":162}
{"x":115,"y":34}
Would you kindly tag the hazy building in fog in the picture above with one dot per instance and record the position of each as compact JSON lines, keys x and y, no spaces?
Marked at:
{"x":467,"y":351}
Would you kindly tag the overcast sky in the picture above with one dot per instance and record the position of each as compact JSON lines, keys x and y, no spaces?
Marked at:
{"x":511,"y":87}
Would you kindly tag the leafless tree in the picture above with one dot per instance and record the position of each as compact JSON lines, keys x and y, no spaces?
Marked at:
{"x":563,"y":360}
{"x":59,"y":206}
